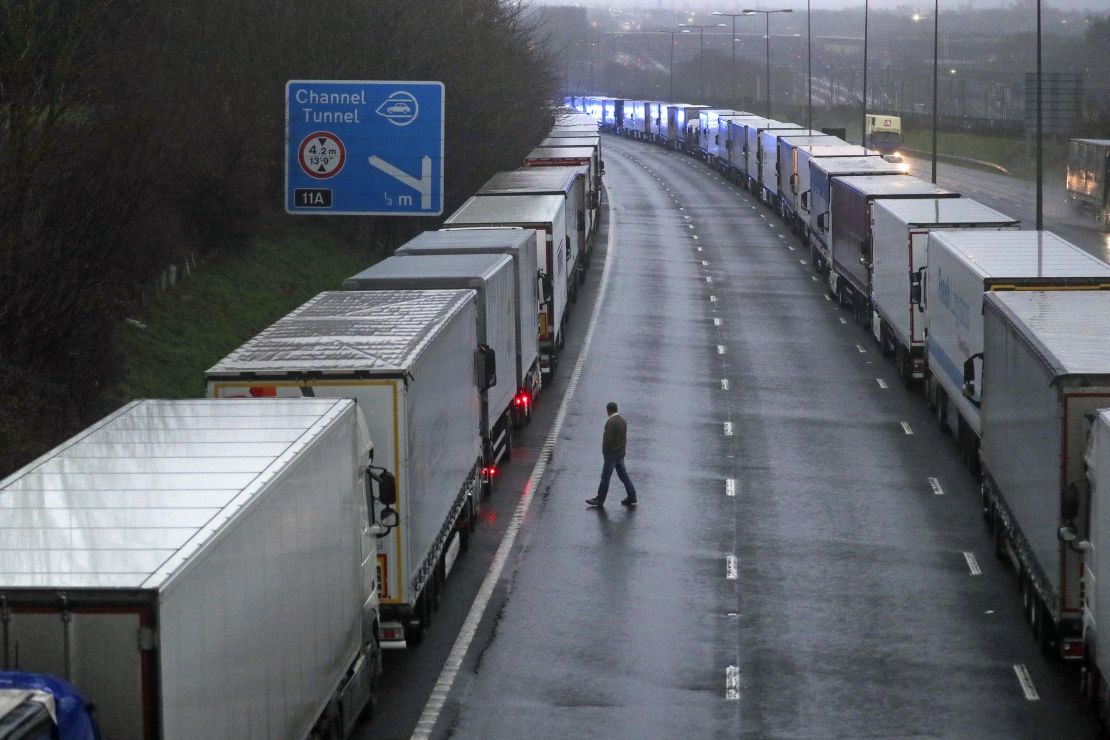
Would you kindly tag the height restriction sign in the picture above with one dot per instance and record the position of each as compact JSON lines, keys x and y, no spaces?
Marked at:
{"x":364,"y":148}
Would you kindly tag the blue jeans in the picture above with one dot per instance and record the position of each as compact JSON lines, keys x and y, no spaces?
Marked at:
{"x":613,"y":462}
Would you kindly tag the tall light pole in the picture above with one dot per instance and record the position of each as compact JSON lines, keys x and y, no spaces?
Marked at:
{"x":809,"y":67}
{"x":863,"y":119}
{"x":767,"y":16}
{"x":701,"y":54}
{"x":936,"y":16}
{"x":733,"y":16}
{"x":672,"y":33}
{"x":1040,"y":151}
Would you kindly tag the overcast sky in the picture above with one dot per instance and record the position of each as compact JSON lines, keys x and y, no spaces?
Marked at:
{"x":1100,"y":7}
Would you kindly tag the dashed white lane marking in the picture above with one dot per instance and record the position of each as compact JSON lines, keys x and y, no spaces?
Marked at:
{"x":453,"y":664}
{"x":935,"y":485}
{"x":782,"y":236}
{"x":802,"y":262}
{"x":730,"y":486}
{"x":827,"y":298}
{"x":862,"y":351}
{"x":699,"y":248}
{"x":724,"y":384}
{"x":712,"y":299}
{"x":708,"y":279}
{"x":695,"y":236}
{"x":973,"y":564}
{"x":882,"y":383}
{"x":704,"y":263}
{"x":732,"y":572}
{"x":843,"y":320}
{"x":906,"y":427}
{"x":716,"y":322}
{"x":689,"y":226}
{"x":720,"y":349}
{"x":813,"y":278}
{"x":790,"y":247}
{"x":732,"y":683}
{"x":1026,"y":682}
{"x":728,"y":428}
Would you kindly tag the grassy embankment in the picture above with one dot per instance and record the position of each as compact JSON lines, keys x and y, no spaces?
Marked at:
{"x":225,"y":302}
{"x":1006,"y":151}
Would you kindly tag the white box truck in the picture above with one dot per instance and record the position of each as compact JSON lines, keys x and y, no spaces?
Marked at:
{"x":520,"y":245}
{"x":851,"y":200}
{"x":1046,"y":373}
{"x":770,"y":166}
{"x":545,"y":214}
{"x":899,"y":247}
{"x":572,"y":156}
{"x":817,"y":198}
{"x":789,"y":147}
{"x":683,"y":126}
{"x":492,"y":279}
{"x":411,"y":360}
{"x":1096,"y":573}
{"x":962,"y":266}
{"x":710,"y":143}
{"x":582,"y":210}
{"x":753,"y":132}
{"x":199,"y":569}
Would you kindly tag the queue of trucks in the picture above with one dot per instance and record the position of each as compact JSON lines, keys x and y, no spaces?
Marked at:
{"x":1005,"y":332}
{"x":235,"y":566}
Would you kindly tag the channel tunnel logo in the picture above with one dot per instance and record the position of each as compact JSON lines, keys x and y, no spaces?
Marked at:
{"x":400,"y":108}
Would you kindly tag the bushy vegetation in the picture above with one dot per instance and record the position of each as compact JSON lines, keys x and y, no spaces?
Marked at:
{"x":136,"y":135}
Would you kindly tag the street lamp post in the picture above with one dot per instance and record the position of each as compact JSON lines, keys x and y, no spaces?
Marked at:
{"x":936,"y":36}
{"x":863,"y":120}
{"x":733,"y":16}
{"x":809,"y":67}
{"x":767,"y":16}
{"x":701,"y":54}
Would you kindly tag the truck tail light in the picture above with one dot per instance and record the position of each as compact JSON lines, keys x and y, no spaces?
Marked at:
{"x":1072,"y":649}
{"x":391,"y":634}
{"x":489,"y":472}
{"x":263,"y":391}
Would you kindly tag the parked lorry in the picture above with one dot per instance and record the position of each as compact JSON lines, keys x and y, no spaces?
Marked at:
{"x":572,"y":156}
{"x":1087,"y":183}
{"x":682,"y":127}
{"x":491,"y":277}
{"x":657,"y":122}
{"x":1095,"y":543}
{"x":753,"y":135}
{"x":769,"y":158}
{"x":803,"y":155}
{"x":789,"y":145}
{"x":816,"y":199}
{"x":545,"y":214}
{"x":884,"y":133}
{"x":200,"y":568}
{"x":520,"y":245}
{"x":710,"y":144}
{"x":411,"y":360}
{"x":962,"y":266}
{"x":582,"y":211}
{"x":36,"y":706}
{"x":851,"y":200}
{"x":612,"y":115}
{"x":899,"y":248}
{"x":1046,"y":374}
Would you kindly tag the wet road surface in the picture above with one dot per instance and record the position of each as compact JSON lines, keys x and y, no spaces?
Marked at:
{"x":808,"y":558}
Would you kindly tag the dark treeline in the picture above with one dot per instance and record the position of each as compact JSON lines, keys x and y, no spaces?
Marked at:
{"x":137,"y":134}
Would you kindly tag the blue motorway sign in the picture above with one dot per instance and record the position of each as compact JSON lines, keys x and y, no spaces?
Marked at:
{"x":364,"y":148}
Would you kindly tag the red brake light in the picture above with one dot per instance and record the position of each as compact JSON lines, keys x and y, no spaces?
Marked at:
{"x":263,"y":391}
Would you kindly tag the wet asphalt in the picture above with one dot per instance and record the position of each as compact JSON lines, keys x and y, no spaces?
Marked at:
{"x":808,"y":559}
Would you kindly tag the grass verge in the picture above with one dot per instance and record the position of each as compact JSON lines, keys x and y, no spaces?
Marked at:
{"x":224,"y":303}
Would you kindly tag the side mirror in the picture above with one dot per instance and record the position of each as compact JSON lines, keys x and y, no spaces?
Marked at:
{"x":387,"y":488}
{"x":917,"y":281}
{"x":804,"y":200}
{"x":601,"y":166}
{"x":717,"y":139}
{"x":823,"y":221}
{"x":487,"y":367}
{"x":547,"y":287}
{"x":969,"y":375}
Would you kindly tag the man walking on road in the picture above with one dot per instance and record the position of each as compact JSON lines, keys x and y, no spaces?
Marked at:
{"x":612,"y":449}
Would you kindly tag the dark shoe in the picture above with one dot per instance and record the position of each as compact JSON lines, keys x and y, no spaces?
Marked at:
{"x":594,"y":502}
{"x":628,"y":502}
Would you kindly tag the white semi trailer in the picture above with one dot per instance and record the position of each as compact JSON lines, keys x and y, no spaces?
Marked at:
{"x":411,"y":360}
{"x":200,"y":569}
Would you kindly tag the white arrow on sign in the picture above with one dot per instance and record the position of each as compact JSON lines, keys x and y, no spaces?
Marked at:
{"x":422,"y":185}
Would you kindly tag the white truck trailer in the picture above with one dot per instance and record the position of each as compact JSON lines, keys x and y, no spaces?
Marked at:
{"x":710,"y":144}
{"x":582,"y":212}
{"x":1046,"y":373}
{"x":199,"y":568}
{"x":769,"y":167}
{"x":789,"y":146}
{"x":571,"y":156}
{"x":753,"y":133}
{"x":1096,"y":572}
{"x":851,"y":202}
{"x":520,"y":245}
{"x":491,"y":277}
{"x":657,"y":122}
{"x":962,"y":266}
{"x":411,"y":360}
{"x":899,"y":248}
{"x":682,"y":124}
{"x":816,"y":199}
{"x":545,"y":214}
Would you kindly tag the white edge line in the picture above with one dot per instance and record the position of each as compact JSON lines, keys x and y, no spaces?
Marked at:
{"x":446,"y":680}
{"x":1026,"y":682}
